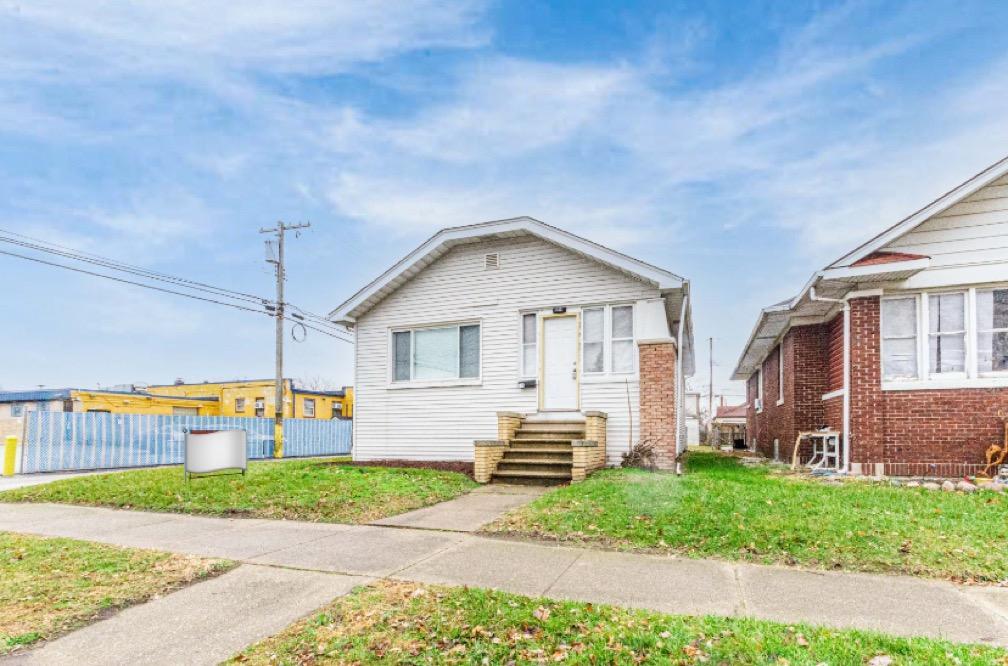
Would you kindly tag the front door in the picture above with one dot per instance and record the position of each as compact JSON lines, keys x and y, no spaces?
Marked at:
{"x":560,"y":366}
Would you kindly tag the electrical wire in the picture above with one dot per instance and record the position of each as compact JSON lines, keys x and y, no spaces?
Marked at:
{"x":126,"y":268}
{"x":169,"y":291}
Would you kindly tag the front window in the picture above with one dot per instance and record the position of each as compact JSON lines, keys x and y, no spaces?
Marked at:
{"x":946,"y":333}
{"x":899,"y":338}
{"x":436,"y":354}
{"x":593,"y":339}
{"x":530,"y":332}
{"x":239,"y":405}
{"x":309,"y":408}
{"x":260,"y":406}
{"x":622,"y":339}
{"x":992,"y":330}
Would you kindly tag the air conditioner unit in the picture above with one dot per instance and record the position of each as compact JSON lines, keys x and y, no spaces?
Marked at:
{"x":758,"y":404}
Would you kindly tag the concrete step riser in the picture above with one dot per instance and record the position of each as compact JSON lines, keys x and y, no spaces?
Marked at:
{"x":553,"y":427}
{"x":523,"y":481}
{"x":541,"y":442}
{"x":549,"y":435}
{"x":514,"y":456}
{"x":503,"y":467}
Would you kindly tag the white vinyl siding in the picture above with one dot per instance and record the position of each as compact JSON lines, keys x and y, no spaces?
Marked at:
{"x":441,"y":422}
{"x":967,"y":243}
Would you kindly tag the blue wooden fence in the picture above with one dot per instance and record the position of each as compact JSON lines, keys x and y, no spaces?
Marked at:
{"x":57,"y":441}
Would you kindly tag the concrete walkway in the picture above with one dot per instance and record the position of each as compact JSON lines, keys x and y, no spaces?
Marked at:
{"x":898,"y":605}
{"x":469,"y":512}
{"x":204,"y":623}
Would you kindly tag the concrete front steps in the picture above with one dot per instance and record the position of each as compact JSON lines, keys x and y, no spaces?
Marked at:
{"x":540,"y":453}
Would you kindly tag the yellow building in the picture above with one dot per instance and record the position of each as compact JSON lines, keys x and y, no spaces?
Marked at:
{"x":256,"y":397}
{"x":122,"y":402}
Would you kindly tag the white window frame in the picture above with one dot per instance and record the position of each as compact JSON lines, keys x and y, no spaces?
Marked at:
{"x":924,"y":321}
{"x":971,"y":378}
{"x":759,"y":389}
{"x":524,"y":372}
{"x":394,"y":383}
{"x":780,"y":373}
{"x":304,"y":407}
{"x":607,"y":373}
{"x":977,"y":331}
{"x":918,"y":344}
{"x":610,"y":344}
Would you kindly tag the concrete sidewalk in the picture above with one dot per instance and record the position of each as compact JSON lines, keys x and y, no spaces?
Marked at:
{"x":897,"y":605}
{"x":204,"y":623}
{"x":469,"y":512}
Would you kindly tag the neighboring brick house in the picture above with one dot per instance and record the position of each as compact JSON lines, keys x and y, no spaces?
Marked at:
{"x":901,"y":345}
{"x":515,"y":331}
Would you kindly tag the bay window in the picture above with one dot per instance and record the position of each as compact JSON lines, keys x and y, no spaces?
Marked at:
{"x":992,"y":330}
{"x":433,"y":354}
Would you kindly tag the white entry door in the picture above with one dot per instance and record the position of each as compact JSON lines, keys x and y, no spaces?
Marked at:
{"x":560,"y":385}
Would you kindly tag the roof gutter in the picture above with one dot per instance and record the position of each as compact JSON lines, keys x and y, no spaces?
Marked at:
{"x":680,"y":383}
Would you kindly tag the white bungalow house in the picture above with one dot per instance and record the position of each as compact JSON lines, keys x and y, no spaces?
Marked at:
{"x":548,"y":352}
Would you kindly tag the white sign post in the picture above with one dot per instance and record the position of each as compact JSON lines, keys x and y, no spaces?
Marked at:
{"x":207,"y":452}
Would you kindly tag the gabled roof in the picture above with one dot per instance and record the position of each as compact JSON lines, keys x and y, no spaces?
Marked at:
{"x":936,"y":207}
{"x":444,"y":240}
{"x":867,"y":264}
{"x":731,"y":411}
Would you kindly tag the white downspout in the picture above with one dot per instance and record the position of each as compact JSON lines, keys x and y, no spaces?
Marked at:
{"x":846,"y":372}
{"x":680,"y":383}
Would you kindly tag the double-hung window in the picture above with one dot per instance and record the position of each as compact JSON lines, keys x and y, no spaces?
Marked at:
{"x":309,"y":408}
{"x":780,"y":374}
{"x":946,"y":314}
{"x":530,"y":333}
{"x":621,"y":342}
{"x":607,"y":339}
{"x":593,"y":339}
{"x":899,"y":338}
{"x":433,"y":354}
{"x":992,"y":331}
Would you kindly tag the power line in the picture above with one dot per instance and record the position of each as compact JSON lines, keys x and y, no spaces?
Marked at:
{"x":105,"y":262}
{"x":170,"y":291}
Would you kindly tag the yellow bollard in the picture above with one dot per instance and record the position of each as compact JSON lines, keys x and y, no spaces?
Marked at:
{"x":278,"y":441}
{"x":10,"y":455}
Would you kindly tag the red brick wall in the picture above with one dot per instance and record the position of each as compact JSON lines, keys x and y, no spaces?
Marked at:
{"x":927,"y":432}
{"x":658,"y":399}
{"x":804,"y":384}
{"x":834,"y":353}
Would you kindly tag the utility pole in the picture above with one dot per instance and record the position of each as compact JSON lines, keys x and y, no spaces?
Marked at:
{"x":710,"y":396}
{"x":281,"y":276}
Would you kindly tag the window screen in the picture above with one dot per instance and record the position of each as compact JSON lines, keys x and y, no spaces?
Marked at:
{"x":946,"y":333}
{"x":622,"y":338}
{"x":593,"y":339}
{"x":992,"y":330}
{"x":899,"y":338}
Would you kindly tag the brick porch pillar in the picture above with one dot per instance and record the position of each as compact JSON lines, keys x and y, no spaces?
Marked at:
{"x":658,"y":399}
{"x":866,"y":400}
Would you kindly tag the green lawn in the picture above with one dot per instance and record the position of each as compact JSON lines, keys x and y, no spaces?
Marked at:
{"x":723,"y":509}
{"x":403,"y":623}
{"x":49,"y":586}
{"x":315,"y":490}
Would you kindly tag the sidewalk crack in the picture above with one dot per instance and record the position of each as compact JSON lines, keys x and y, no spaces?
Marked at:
{"x":743,"y":607}
{"x":561,"y":574}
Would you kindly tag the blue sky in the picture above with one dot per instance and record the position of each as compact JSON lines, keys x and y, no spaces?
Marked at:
{"x":742,"y":145}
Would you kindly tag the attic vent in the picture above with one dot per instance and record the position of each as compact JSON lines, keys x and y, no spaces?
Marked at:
{"x":491,"y":262}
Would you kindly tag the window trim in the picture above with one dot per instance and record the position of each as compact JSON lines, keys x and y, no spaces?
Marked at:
{"x":924,"y":314}
{"x":393,"y":383}
{"x":759,"y":389}
{"x":919,"y":347}
{"x":925,"y":380}
{"x":523,"y":372}
{"x":608,"y":332}
{"x":581,"y":361}
{"x":985,"y":374}
{"x":239,"y":409}
{"x":304,"y":408}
